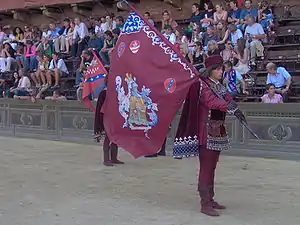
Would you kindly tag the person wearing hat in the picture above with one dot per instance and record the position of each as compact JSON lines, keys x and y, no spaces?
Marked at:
{"x":201,"y":130}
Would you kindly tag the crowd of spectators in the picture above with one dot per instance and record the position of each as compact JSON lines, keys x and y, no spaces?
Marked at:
{"x":237,"y":34}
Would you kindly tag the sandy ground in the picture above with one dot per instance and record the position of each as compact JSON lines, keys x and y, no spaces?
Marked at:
{"x":55,"y":183}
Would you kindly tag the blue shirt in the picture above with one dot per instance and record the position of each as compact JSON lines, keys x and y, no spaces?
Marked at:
{"x":235,"y":13}
{"x":252,"y":11}
{"x":279,"y":79}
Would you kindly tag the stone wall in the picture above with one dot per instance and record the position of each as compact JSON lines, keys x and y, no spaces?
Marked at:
{"x":278,"y":126}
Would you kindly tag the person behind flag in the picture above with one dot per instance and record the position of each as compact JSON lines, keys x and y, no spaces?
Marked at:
{"x":201,"y":131}
{"x":110,"y":149}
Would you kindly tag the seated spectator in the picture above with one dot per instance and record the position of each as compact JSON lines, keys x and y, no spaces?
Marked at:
{"x":265,"y":16}
{"x":196,"y":15}
{"x":187,"y":39}
{"x":2,"y":88}
{"x":221,"y":31}
{"x":80,"y":37}
{"x":56,"y":96}
{"x":197,"y":57}
{"x":44,"y":47}
{"x":271,"y":96}
{"x":110,"y":24}
{"x":213,"y":48}
{"x":3,"y":35}
{"x":119,"y":22}
{"x":6,"y":58}
{"x":242,"y":55}
{"x":233,"y":80}
{"x":220,"y":14}
{"x":147,"y":15}
{"x":53,"y":36}
{"x":167,"y":20}
{"x":255,"y":34}
{"x":94,"y":43}
{"x":209,"y":35}
{"x":207,"y":17}
{"x":108,"y":45}
{"x":30,"y":56}
{"x":169,"y":34}
{"x":234,"y":14}
{"x":39,"y":77}
{"x":18,"y":34}
{"x":23,"y":85}
{"x":248,"y":10}
{"x":227,"y":53}
{"x":20,"y":55}
{"x":57,"y":69}
{"x":27,"y":34}
{"x":281,"y":78}
{"x":232,"y":34}
{"x":86,"y":59}
{"x":69,"y":38}
{"x":63,"y":32}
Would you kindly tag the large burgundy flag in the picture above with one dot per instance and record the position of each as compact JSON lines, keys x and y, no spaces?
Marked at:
{"x":93,"y":82}
{"x":147,"y":83}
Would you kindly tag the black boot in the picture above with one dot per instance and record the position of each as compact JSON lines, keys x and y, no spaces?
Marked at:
{"x":114,"y":154}
{"x":106,"y":155}
{"x":206,"y":201}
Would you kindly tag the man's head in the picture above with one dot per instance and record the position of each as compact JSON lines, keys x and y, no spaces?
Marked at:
{"x":271,"y":68}
{"x":233,"y":4}
{"x":52,"y":26}
{"x":147,"y":15}
{"x":86,"y":54}
{"x":119,"y":20}
{"x":77,"y":21}
{"x":227,"y":66}
{"x":248,"y":4}
{"x":55,"y":55}
{"x":67,"y":22}
{"x":212,"y":45}
{"x":232,"y":28}
{"x":214,"y":67}
{"x":108,"y":35}
{"x":168,"y":29}
{"x":195,"y":8}
{"x":210,"y":30}
{"x":166,"y":15}
{"x":116,"y":32}
{"x":250,"y":19}
{"x":108,"y":18}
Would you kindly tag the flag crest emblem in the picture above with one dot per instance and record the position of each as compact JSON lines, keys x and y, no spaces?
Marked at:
{"x":136,"y":106}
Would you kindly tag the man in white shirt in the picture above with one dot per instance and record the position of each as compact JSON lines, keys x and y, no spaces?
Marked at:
{"x":169,"y":34}
{"x":254,"y":34}
{"x":80,"y":36}
{"x":234,"y":33}
{"x":57,"y":69}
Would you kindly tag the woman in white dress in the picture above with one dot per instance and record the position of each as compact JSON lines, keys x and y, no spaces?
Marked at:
{"x":242,"y":54}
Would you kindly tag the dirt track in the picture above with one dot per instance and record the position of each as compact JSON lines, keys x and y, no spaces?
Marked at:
{"x":54,"y":183}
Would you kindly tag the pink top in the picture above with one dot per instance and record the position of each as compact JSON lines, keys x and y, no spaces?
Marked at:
{"x":30,"y":51}
{"x":277,"y":98}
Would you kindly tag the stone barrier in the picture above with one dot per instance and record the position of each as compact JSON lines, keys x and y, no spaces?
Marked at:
{"x":277,"y":125}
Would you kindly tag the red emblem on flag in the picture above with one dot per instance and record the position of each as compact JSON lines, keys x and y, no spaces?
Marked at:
{"x":135,"y":46}
{"x":170,"y":85}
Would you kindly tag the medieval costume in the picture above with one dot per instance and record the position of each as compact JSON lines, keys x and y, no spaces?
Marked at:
{"x":201,"y":131}
{"x":110,"y":150}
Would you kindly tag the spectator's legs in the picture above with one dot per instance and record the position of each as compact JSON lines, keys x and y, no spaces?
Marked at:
{"x":42,"y":76}
{"x":2,"y":64}
{"x":57,"y":74}
{"x":34,"y":77}
{"x":252,"y":52}
{"x":56,"y":44}
{"x":79,"y":77}
{"x":27,"y":63}
{"x":104,"y":57}
{"x":49,"y":77}
{"x":68,"y":44}
{"x":33,"y":63}
{"x":74,"y":48}
{"x":81,"y":47}
{"x":9,"y":60}
{"x":62,"y":40}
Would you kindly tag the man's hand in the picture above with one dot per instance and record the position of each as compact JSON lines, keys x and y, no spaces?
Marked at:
{"x":284,"y":90}
{"x":245,"y":92}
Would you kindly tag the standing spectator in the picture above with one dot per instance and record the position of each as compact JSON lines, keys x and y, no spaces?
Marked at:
{"x":6,"y":58}
{"x":242,"y":56}
{"x":234,"y":14}
{"x":248,"y":10}
{"x":119,"y":22}
{"x":220,"y":14}
{"x":108,"y":45}
{"x":209,"y":35}
{"x":271,"y":96}
{"x":63,"y":34}
{"x":80,"y":36}
{"x":196,"y":15}
{"x":167,"y":20}
{"x":169,"y":34}
{"x":281,"y":78}
{"x":30,"y":56}
{"x":57,"y":69}
{"x":86,"y":59}
{"x":233,"y":80}
{"x":147,"y":15}
{"x":255,"y":34}
{"x":94,"y":43}
{"x":53,"y":36}
{"x":207,"y":17}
